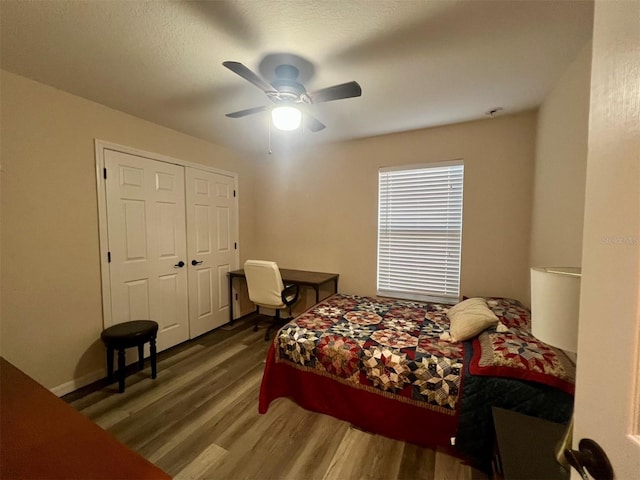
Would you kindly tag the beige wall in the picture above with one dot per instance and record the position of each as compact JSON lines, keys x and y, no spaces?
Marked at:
{"x":312,"y":210}
{"x":51,"y":309}
{"x":318,"y":209}
{"x":560,"y":168}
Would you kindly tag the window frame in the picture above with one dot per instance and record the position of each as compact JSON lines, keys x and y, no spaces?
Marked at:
{"x":440,"y":296}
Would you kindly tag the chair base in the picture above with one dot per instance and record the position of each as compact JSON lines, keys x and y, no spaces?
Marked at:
{"x":276,"y":322}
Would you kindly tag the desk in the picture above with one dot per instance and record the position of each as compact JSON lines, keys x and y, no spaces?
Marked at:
{"x":298,"y":277}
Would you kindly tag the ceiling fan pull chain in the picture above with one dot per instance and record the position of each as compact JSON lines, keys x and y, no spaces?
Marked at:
{"x":269,"y":121}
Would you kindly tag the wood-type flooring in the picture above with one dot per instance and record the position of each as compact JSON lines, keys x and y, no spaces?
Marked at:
{"x":199,"y":420}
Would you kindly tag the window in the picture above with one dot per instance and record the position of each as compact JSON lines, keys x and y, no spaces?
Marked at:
{"x":420,"y":231}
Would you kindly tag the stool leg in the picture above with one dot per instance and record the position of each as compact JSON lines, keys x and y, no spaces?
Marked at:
{"x":109,"y":364}
{"x":152,"y":348}
{"x":141,"y":356}
{"x":121,"y":362}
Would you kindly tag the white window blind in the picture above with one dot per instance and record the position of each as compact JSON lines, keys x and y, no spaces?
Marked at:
{"x":420,"y":232}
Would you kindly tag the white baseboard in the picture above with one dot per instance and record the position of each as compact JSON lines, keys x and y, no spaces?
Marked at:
{"x":77,"y":383}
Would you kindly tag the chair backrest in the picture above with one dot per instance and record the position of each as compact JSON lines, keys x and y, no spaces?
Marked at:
{"x":264,"y":283}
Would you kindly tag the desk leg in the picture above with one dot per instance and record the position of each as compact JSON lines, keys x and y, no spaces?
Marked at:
{"x":230,"y":300}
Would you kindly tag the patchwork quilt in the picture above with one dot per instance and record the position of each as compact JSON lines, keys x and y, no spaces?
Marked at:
{"x":393,"y":347}
{"x":516,"y":353}
{"x":387,"y":346}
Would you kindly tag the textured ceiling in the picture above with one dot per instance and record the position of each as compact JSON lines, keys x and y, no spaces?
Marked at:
{"x":420,"y":63}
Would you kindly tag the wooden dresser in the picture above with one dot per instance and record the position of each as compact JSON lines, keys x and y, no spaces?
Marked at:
{"x":41,"y":437}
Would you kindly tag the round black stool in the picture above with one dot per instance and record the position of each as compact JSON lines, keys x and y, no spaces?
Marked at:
{"x":126,"y":335}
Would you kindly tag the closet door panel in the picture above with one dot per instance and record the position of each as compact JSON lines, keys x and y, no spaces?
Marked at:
{"x":147,"y":240}
{"x":210,"y":228}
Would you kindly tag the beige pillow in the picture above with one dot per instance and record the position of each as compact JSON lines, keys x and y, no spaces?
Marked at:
{"x":469,"y":318}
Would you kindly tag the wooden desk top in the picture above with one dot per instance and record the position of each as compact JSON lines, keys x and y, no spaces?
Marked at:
{"x":43,"y":437}
{"x":301,"y":277}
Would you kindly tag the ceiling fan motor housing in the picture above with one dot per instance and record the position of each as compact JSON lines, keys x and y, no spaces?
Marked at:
{"x":287,"y":86}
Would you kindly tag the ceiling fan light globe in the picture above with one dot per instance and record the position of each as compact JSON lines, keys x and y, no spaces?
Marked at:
{"x":286,"y":118}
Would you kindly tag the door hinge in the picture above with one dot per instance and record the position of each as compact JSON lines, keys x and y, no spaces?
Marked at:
{"x":234,"y":193}
{"x":236,"y":296}
{"x":235,"y":245}
{"x":109,"y":257}
{"x":104,"y":173}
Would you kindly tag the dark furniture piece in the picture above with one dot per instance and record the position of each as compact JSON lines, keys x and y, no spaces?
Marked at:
{"x":525,"y":447}
{"x":297,"y":277}
{"x":45,"y":438}
{"x":126,"y":335}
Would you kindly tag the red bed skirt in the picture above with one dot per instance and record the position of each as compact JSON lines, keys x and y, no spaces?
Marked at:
{"x":366,"y":410}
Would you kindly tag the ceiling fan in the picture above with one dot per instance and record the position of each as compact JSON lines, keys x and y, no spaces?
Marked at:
{"x":290,"y":97}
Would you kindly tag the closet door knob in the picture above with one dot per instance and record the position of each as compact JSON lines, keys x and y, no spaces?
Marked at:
{"x":195,"y":262}
{"x":180,"y":264}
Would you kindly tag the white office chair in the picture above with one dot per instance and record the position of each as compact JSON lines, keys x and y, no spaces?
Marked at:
{"x":266,"y":289}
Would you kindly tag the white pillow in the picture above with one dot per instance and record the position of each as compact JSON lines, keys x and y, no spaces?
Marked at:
{"x":469,"y":318}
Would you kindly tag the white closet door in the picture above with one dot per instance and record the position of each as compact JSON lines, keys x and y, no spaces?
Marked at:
{"x":147,"y":243}
{"x":211,"y":217}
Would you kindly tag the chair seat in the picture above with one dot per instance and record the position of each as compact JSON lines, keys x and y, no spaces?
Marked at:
{"x":129,"y":334}
{"x":266,"y":289}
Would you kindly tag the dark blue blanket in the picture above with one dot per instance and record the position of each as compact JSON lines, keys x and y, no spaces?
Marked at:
{"x":475,"y":434}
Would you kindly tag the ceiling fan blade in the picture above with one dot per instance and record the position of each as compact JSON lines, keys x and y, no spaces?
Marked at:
{"x":312,"y":123}
{"x":337,"y":92}
{"x":244,"y":72}
{"x":248,"y":111}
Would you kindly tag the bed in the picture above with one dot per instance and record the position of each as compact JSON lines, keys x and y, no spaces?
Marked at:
{"x":380,"y":364}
